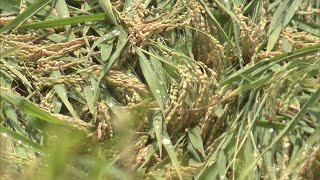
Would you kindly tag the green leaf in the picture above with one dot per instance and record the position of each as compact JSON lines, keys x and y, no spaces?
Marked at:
{"x":64,"y":21}
{"x":313,"y":99}
{"x":154,"y":81}
{"x":13,"y":119}
{"x":28,"y":107}
{"x":63,"y":12}
{"x":278,"y":15}
{"x":266,"y":64}
{"x":220,"y":29}
{"x":171,"y":152}
{"x":231,"y":14}
{"x":222,"y":159}
{"x":314,"y":138}
{"x":122,"y":41}
{"x":196,"y":139}
{"x":21,"y":18}
{"x":18,"y":74}
{"x":62,"y":93}
{"x":120,"y":45}
{"x":287,"y":47}
{"x":106,"y":51}
{"x":308,"y":27}
{"x":280,"y":19}
{"x":157,"y":125}
{"x":269,"y":124}
{"x":249,"y":86}
{"x":89,"y":96}
{"x":219,"y":111}
{"x":34,"y":146}
{"x":273,"y":38}
{"x":8,"y":52}
{"x":107,"y":8}
{"x":109,"y":36}
{"x":291,"y":11}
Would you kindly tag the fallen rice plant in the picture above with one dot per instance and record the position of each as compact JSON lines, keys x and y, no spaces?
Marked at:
{"x":145,"y":89}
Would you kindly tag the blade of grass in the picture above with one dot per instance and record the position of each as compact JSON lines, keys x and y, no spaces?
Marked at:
{"x":64,"y":21}
{"x":21,"y":18}
{"x":63,"y":12}
{"x":28,"y":107}
{"x":231,"y":14}
{"x":171,"y":152}
{"x":111,"y":35}
{"x":18,"y":74}
{"x":280,"y":19}
{"x":269,"y":124}
{"x":8,"y":52}
{"x":303,"y":150}
{"x":220,"y":29}
{"x":266,"y":64}
{"x":62,"y":93}
{"x":287,"y":47}
{"x":107,"y":8}
{"x":308,"y":27}
{"x":26,"y":141}
{"x":196,"y":140}
{"x":120,"y":45}
{"x":249,"y":86}
{"x":12,"y":116}
{"x":157,"y":125}
{"x":313,"y":99}
{"x":158,"y":90}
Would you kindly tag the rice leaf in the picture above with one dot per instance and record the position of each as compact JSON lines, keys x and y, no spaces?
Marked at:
{"x":24,"y":140}
{"x":310,"y":28}
{"x":63,"y":12}
{"x":120,"y":45}
{"x":28,"y":107}
{"x":89,"y":96}
{"x":220,"y":29}
{"x":291,"y":11}
{"x":287,"y":47}
{"x":280,"y":19}
{"x":64,"y":21}
{"x":157,"y":125}
{"x":107,"y":8}
{"x":8,"y":52}
{"x":18,"y":74}
{"x":196,"y":140}
{"x":171,"y":152}
{"x":278,"y":15}
{"x":105,"y":51}
{"x":273,"y":37}
{"x":307,"y":146}
{"x":158,"y":90}
{"x":13,"y":119}
{"x":231,"y":14}
{"x":62,"y":93}
{"x":313,"y":99}
{"x":107,"y":37}
{"x":21,"y":18}
{"x":265,"y":64}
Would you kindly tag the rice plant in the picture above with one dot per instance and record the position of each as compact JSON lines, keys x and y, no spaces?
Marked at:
{"x":160,"y":89}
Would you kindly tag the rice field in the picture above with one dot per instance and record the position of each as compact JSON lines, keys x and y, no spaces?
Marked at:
{"x":160,"y":89}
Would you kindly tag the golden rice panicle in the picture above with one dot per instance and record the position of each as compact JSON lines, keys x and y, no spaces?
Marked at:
{"x":104,"y":127}
{"x":46,"y":101}
{"x":251,"y":35}
{"x":311,"y":166}
{"x":120,"y":79}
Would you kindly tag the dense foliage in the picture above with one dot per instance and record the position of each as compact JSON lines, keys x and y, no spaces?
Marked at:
{"x":160,"y":89}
